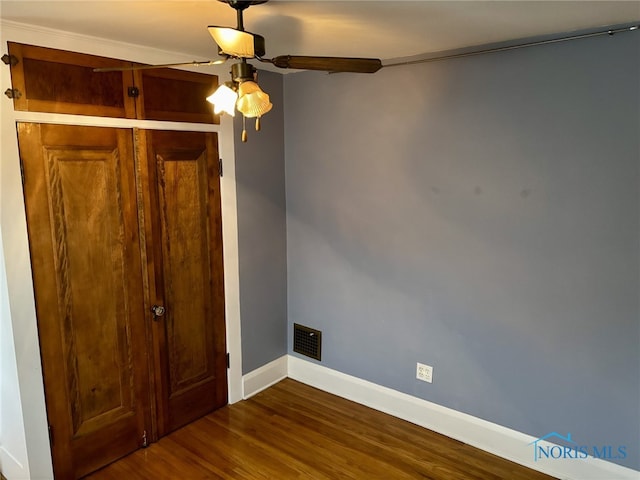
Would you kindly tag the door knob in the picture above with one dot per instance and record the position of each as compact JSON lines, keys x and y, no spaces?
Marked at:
{"x":158,"y":311}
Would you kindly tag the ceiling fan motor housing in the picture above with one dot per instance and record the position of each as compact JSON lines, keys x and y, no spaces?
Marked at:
{"x":242,"y":72}
{"x":242,"y":4}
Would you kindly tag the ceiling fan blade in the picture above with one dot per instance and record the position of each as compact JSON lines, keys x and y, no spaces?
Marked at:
{"x":328,"y":64}
{"x":166,"y":65}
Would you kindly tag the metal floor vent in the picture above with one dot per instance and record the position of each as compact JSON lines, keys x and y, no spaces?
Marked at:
{"x":307,"y":341}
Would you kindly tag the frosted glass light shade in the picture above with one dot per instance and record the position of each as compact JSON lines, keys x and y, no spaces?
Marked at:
{"x":224,"y":100}
{"x":252,"y":101}
{"x":236,"y":43}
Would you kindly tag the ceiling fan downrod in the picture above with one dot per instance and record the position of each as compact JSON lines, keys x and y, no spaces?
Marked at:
{"x":240,"y":6}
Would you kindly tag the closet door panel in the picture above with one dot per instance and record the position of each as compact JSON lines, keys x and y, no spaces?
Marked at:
{"x":58,"y":81}
{"x":184,"y":212}
{"x":176,"y":95}
{"x":83,"y":235}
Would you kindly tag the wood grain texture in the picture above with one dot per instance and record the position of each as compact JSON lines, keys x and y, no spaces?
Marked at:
{"x":183,"y":237}
{"x":295,"y":431}
{"x":58,"y":81}
{"x":87,"y":276}
{"x":176,"y":95}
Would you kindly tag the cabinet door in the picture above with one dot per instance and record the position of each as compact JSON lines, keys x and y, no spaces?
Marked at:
{"x":80,"y":200}
{"x":176,"y":95}
{"x":184,"y":256}
{"x":57,"y":81}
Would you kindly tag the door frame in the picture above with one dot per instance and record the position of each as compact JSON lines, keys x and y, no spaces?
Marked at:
{"x":31,"y":453}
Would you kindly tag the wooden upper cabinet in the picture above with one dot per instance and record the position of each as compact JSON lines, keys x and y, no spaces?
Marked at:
{"x":57,"y":81}
{"x":177,"y":95}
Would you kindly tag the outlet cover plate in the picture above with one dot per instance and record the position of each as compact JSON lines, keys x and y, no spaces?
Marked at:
{"x":424,"y":372}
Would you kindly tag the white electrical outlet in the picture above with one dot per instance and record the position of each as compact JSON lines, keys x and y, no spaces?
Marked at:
{"x":424,"y":372}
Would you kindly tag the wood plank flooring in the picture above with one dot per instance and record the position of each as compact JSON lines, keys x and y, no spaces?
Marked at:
{"x":292,"y":430}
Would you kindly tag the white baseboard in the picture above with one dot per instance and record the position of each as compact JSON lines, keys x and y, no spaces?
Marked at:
{"x":504,"y":442}
{"x":263,"y":377}
{"x":11,"y":468}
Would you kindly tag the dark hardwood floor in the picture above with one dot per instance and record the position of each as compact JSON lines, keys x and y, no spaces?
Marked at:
{"x":292,"y":430}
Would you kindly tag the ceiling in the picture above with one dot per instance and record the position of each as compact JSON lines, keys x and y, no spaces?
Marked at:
{"x":380,"y":29}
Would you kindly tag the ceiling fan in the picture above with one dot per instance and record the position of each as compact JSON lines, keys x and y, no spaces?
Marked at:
{"x":242,"y":92}
{"x":238,"y":43}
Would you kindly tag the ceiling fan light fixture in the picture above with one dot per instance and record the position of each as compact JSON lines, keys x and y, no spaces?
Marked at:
{"x":238,"y":43}
{"x":252,"y":101}
{"x":224,"y":99}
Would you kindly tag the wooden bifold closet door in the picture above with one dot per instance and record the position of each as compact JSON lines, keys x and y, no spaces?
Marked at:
{"x":179,"y":175}
{"x":115,"y":227}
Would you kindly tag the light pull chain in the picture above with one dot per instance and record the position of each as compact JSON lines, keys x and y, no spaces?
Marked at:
{"x":244,"y":128}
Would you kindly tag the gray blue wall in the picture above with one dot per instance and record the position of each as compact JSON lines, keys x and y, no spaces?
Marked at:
{"x":262,"y":241}
{"x":479,"y":215}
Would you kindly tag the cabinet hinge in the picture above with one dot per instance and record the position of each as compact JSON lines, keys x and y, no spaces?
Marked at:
{"x":133,"y":92}
{"x":13,"y":93}
{"x":51,"y":435}
{"x":145,"y":443}
{"x":220,"y":166}
{"x":8,"y":59}
{"x":228,"y":361}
